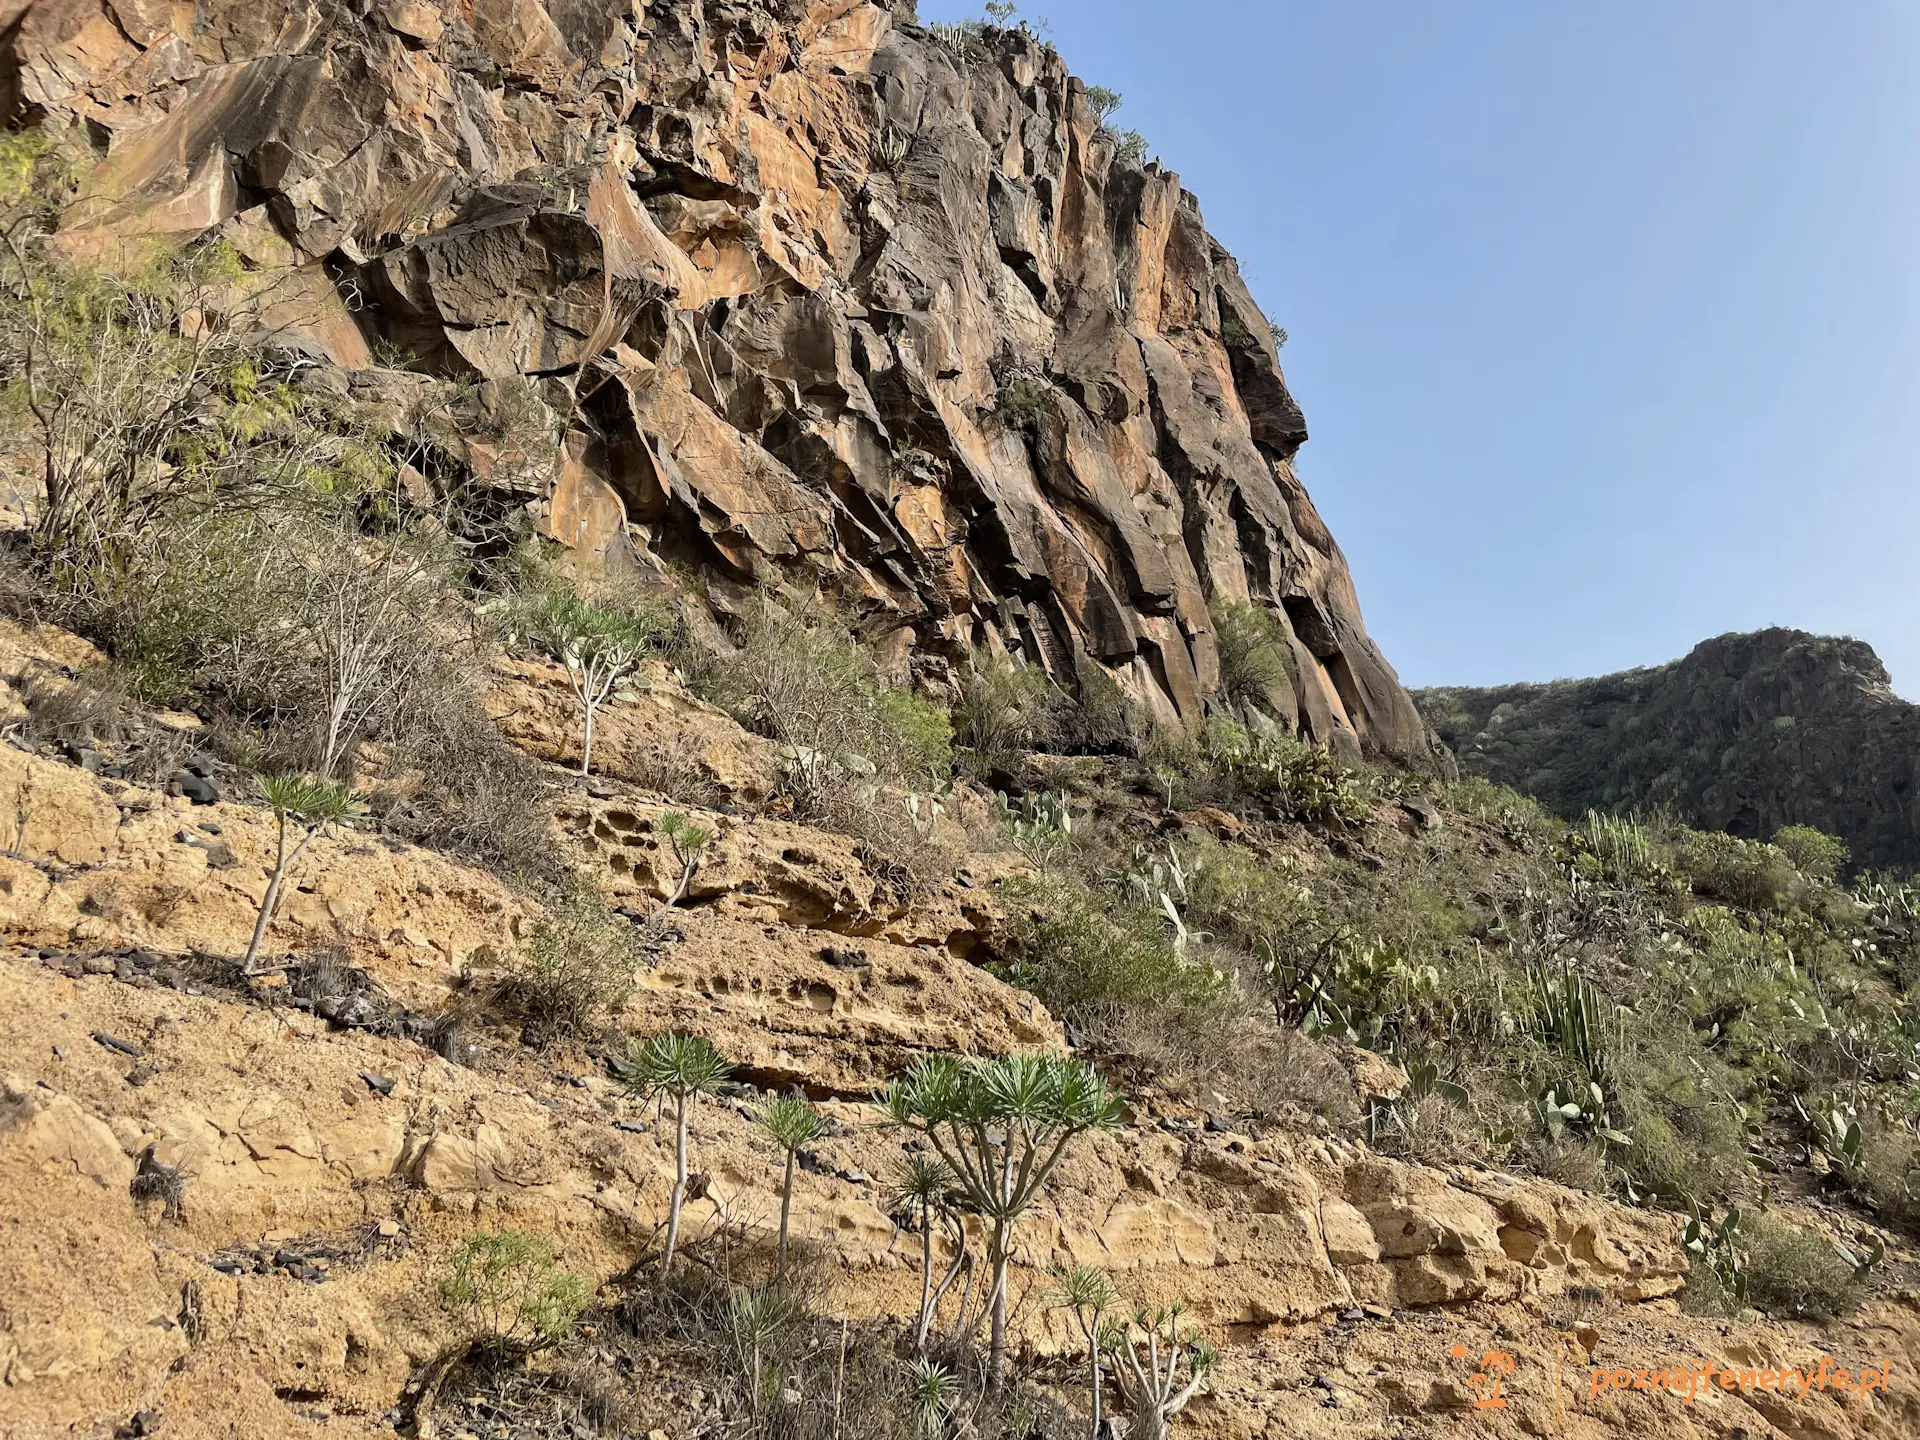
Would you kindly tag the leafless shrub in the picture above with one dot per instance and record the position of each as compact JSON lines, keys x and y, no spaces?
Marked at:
{"x":1431,"y":1130}
{"x":362,"y":612}
{"x":91,"y":706}
{"x":155,"y":1181}
{"x":455,"y":783}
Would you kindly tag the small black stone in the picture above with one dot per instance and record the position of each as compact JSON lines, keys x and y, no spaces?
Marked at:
{"x":197,"y":788}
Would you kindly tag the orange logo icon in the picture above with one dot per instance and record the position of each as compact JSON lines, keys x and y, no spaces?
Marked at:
{"x":1495,"y":1366}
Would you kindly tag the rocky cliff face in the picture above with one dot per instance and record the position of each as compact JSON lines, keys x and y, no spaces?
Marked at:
{"x":812,"y":294}
{"x":1747,"y":733}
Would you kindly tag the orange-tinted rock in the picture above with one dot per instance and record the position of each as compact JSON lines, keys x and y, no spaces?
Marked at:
{"x":786,"y":342}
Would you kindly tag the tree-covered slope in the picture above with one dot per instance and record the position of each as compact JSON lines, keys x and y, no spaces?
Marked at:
{"x":1747,"y":733}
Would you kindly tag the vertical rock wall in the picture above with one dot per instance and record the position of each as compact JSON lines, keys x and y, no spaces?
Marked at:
{"x":816,"y":292}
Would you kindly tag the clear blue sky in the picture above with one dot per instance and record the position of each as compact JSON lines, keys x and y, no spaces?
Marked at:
{"x":1605,"y":317}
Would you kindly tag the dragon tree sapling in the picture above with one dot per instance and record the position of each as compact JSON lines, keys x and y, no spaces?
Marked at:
{"x":598,"y":649}
{"x":793,"y":1123}
{"x":309,"y":806}
{"x":688,"y":842}
{"x":1089,"y":1294}
{"x":1162,"y":1367}
{"x":932,"y":1392}
{"x":757,"y":1318}
{"x":680,"y":1068}
{"x":1001,"y":1126}
{"x":922,"y":1191}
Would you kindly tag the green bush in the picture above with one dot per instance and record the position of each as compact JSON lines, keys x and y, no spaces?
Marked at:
{"x":1305,"y":782}
{"x":1794,"y":1272}
{"x":1689,"y":1141}
{"x":799,"y":678}
{"x":506,"y":1288}
{"x":1021,"y":400}
{"x":1079,"y":950}
{"x":1255,"y":653}
{"x":577,"y":967}
{"x":1814,"y":855}
{"x":1740,"y":872}
{"x":1003,"y":708}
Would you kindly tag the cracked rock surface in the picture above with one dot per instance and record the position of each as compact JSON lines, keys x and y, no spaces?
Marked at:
{"x":813,"y":295}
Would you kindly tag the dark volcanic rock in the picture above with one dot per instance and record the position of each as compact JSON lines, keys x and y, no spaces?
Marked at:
{"x":1748,"y":733}
{"x":785,"y":345}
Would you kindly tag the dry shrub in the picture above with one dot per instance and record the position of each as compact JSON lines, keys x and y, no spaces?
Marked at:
{"x":817,"y":1378}
{"x":156,"y":1182}
{"x":1004,"y":707}
{"x":461,"y":787}
{"x":1431,"y":1130}
{"x":575,"y":970}
{"x":1568,"y":1160}
{"x":1790,"y":1271}
{"x":670,"y":769}
{"x":1890,"y":1171}
{"x":1282,"y":1067}
{"x":91,"y":706}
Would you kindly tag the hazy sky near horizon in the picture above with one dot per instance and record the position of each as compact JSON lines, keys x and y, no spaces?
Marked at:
{"x":1605,"y":318}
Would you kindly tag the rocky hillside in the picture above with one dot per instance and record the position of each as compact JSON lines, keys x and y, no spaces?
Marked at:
{"x":807,"y":291}
{"x":678,"y":759}
{"x":1747,"y":733}
{"x":231,"y":1200}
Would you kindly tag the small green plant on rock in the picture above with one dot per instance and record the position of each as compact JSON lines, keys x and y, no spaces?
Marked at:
{"x":680,"y":1068}
{"x":688,"y":842}
{"x":1103,"y":102}
{"x":888,"y":150}
{"x":793,"y":1124}
{"x":1021,"y":400}
{"x":308,"y":807}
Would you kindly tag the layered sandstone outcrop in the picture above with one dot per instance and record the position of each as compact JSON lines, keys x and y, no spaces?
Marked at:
{"x":812,"y":294}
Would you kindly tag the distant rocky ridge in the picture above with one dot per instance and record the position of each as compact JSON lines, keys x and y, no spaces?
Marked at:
{"x":812,"y":292}
{"x":1747,"y":733}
